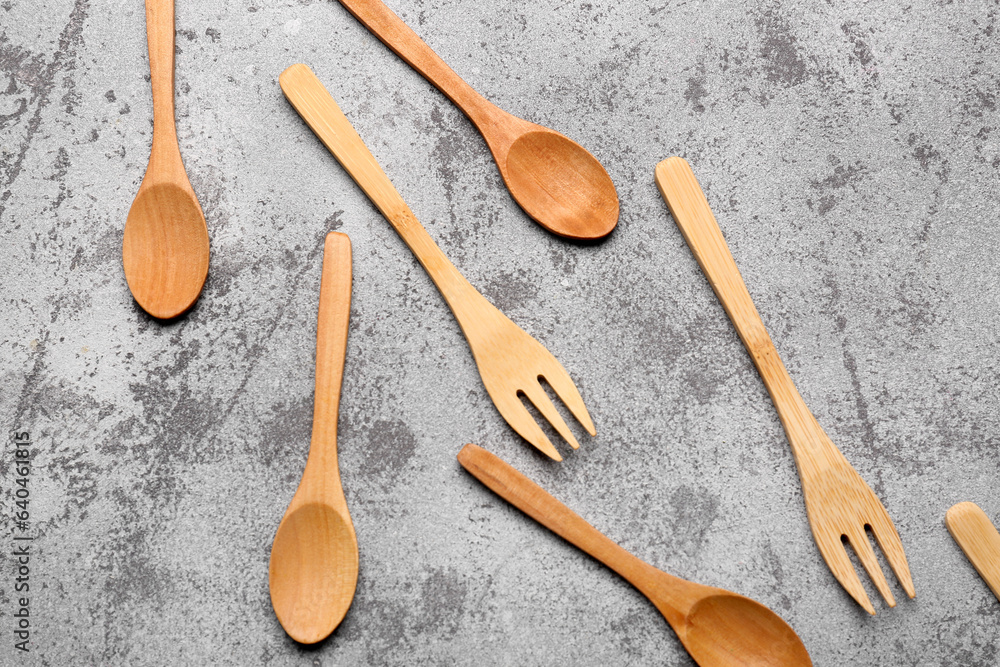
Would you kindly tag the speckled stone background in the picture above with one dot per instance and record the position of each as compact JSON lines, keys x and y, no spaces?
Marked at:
{"x":850,"y":151}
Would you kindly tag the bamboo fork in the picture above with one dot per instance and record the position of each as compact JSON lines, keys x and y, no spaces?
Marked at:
{"x":510,"y":361}
{"x":838,"y":502}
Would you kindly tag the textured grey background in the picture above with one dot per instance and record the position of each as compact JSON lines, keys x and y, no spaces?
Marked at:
{"x":849,"y":149}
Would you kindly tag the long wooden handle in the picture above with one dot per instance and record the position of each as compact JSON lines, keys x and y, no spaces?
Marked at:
{"x":317,"y":108}
{"x":693,"y":216}
{"x":331,"y":349}
{"x":405,"y":43}
{"x":533,"y":500}
{"x":160,"y":38}
{"x":977,"y":536}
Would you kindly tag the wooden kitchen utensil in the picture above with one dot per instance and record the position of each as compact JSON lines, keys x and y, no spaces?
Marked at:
{"x":555,"y":180}
{"x":718,"y":628}
{"x":510,"y":361}
{"x":314,"y":558}
{"x":838,"y":502}
{"x":165,"y":247}
{"x":974,"y":532}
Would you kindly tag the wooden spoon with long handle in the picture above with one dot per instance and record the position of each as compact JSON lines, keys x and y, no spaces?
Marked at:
{"x":555,"y":180}
{"x":975,"y":533}
{"x":717,"y":627}
{"x":314,"y":558}
{"x":165,"y":247}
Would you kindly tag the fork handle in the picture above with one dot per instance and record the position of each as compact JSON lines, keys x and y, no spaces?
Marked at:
{"x":691,"y":212}
{"x":318,"y":109}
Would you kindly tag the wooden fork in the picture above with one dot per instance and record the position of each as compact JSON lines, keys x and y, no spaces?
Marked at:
{"x":510,"y":361}
{"x":838,"y":502}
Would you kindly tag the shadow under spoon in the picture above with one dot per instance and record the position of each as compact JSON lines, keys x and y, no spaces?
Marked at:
{"x":314,"y":558}
{"x":165,"y":246}
{"x":554,"y":179}
{"x":717,"y":627}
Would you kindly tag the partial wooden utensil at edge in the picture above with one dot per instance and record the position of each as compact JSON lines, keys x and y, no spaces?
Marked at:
{"x":838,"y":502}
{"x":977,"y":536}
{"x":314,"y":558}
{"x":555,"y":180}
{"x":718,"y":628}
{"x":510,"y":361}
{"x":165,"y":247}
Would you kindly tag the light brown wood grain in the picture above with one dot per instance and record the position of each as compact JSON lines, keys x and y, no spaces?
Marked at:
{"x":555,"y":180}
{"x":314,"y":558}
{"x":165,"y":246}
{"x":510,"y":361}
{"x":716,"y":626}
{"x":977,"y":536}
{"x":838,"y":502}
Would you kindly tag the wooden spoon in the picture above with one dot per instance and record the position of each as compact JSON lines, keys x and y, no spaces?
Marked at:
{"x":165,"y":249}
{"x":314,"y":558}
{"x":555,"y":180}
{"x":716,"y":627}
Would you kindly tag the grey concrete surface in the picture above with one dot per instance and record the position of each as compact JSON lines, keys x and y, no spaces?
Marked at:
{"x":850,"y":151}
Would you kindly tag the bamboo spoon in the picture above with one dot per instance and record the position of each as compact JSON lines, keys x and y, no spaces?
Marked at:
{"x":165,"y":249}
{"x":972,"y":529}
{"x":555,"y":180}
{"x":510,"y":362}
{"x":839,"y":504}
{"x":314,"y":558}
{"x":716,"y":627}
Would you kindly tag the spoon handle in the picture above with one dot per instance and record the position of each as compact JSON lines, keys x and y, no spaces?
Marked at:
{"x":160,"y":38}
{"x":331,"y":348}
{"x":321,"y":113}
{"x":533,"y":500}
{"x":405,"y":43}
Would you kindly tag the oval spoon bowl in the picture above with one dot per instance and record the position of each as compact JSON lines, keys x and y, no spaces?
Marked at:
{"x":165,"y":249}
{"x":313,"y":572}
{"x":729,"y":629}
{"x":561,"y":185}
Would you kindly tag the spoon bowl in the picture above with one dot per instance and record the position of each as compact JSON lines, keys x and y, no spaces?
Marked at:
{"x":733,"y":630}
{"x":313,"y":571}
{"x":560,"y":185}
{"x":165,"y":249}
